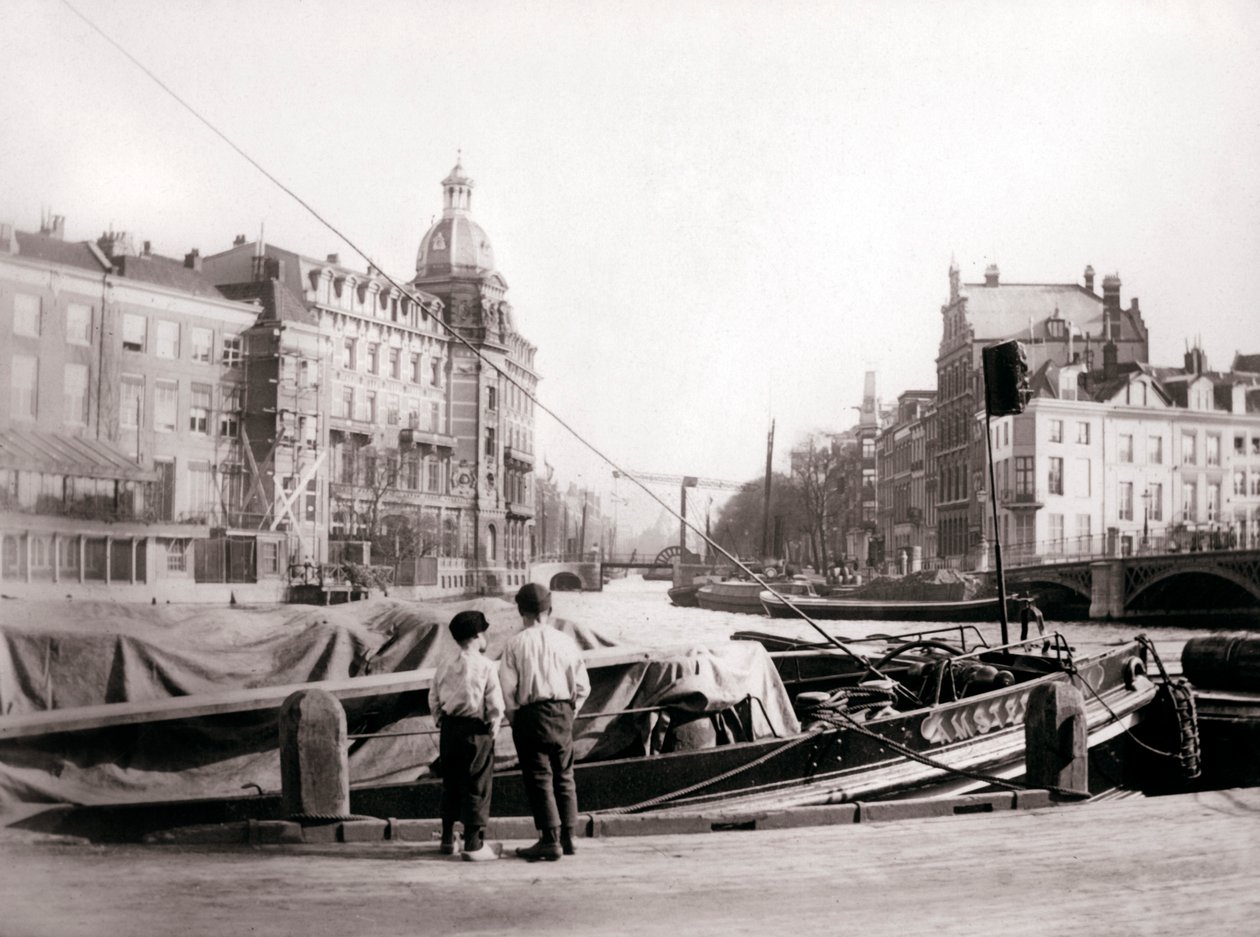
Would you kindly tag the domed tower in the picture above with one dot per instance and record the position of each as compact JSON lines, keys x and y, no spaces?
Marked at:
{"x":490,"y":415}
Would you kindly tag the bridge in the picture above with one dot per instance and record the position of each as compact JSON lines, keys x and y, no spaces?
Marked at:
{"x":573,"y":571}
{"x":1145,"y":585}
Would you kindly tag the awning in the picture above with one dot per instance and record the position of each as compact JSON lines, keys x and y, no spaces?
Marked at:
{"x":60,"y":454}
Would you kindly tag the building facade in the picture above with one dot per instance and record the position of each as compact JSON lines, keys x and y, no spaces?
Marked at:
{"x":1059,"y":323}
{"x":901,"y":460}
{"x":1128,"y":459}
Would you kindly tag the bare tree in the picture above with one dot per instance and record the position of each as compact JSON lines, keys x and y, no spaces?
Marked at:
{"x":817,"y":479}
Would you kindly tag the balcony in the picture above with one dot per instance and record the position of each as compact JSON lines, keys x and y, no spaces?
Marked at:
{"x":523,"y":509}
{"x":1016,"y":500}
{"x":518,"y":458}
{"x":411,"y":436}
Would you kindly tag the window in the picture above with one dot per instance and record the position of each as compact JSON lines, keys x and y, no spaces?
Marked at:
{"x":1056,"y":431}
{"x":373,"y":357}
{"x":416,"y":369}
{"x":1056,"y":532}
{"x":176,"y":555}
{"x":1240,"y":482}
{"x":165,"y":406}
{"x":347,"y":403}
{"x":347,"y":354}
{"x":1254,"y":479}
{"x":135,"y":330}
{"x":229,"y":418}
{"x":436,"y":377}
{"x":1240,"y":445}
{"x":413,"y":413}
{"x":199,"y":409}
{"x":26,"y":315}
{"x":79,"y":324}
{"x":1083,"y":532}
{"x":1154,"y":499}
{"x":435,"y":417}
{"x":201,"y":493}
{"x":24,"y":380}
{"x":1082,"y":433}
{"x":1189,"y":500}
{"x":232,"y":350}
{"x":1081,"y":478}
{"x":411,"y":472}
{"x":1056,"y":476}
{"x":201,"y":344}
{"x":395,"y":363}
{"x":1126,"y":501}
{"x":1213,"y":501}
{"x":1188,"y":446}
{"x":1155,"y":450}
{"x":131,"y":401}
{"x":75,"y":400}
{"x":433,"y":479}
{"x":1212,"y":449}
{"x":370,"y":406}
{"x":491,"y":448}
{"x":1124,"y":447}
{"x":269,"y":557}
{"x":393,"y":405}
{"x":167,"y":345}
{"x":492,"y":398}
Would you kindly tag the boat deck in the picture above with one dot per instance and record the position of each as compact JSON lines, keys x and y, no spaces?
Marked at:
{"x":1161,"y":866}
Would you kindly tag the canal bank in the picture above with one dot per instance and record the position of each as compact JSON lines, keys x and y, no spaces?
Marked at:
{"x":1160,"y":866}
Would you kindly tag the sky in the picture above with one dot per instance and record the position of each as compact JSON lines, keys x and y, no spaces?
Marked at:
{"x":709,"y":214}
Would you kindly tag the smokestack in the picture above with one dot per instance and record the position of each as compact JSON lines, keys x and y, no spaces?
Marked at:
{"x":1089,"y":277}
{"x":1111,"y":361}
{"x":991,"y":275}
{"x":192,"y":260}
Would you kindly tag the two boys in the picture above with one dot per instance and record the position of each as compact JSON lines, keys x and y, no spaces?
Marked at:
{"x":540,"y":684}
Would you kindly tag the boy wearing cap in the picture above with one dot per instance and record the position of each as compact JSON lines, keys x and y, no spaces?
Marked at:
{"x":544,"y":685}
{"x":467,"y":705}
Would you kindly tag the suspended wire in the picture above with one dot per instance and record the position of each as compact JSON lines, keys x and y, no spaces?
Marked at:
{"x":451,"y":330}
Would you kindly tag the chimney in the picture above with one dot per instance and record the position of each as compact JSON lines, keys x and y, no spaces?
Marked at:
{"x":115,"y":244}
{"x":334,"y":258}
{"x":1111,"y":362}
{"x":148,"y":248}
{"x":1196,"y":361}
{"x":1089,"y":277}
{"x":192,"y":260}
{"x":238,"y":240}
{"x":1111,"y":292}
{"x":991,"y":275}
{"x":53,"y":226}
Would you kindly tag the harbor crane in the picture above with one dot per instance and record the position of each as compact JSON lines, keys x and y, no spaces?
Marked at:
{"x":684,"y":482}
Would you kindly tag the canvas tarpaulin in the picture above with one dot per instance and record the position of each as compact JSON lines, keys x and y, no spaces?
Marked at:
{"x":89,"y":654}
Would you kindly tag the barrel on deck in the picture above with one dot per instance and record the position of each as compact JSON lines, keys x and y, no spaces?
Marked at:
{"x":1223,"y":662}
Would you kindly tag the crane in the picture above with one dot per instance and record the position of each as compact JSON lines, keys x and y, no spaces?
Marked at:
{"x":684,"y":482}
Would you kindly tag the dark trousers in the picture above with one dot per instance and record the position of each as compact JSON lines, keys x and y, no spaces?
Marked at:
{"x":543,"y":733}
{"x":467,"y":751}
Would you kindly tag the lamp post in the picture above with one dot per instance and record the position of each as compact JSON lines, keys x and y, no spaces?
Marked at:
{"x":1146,"y":516}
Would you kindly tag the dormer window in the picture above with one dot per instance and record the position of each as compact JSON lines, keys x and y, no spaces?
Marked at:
{"x":439,"y":242}
{"x":1055,"y":328}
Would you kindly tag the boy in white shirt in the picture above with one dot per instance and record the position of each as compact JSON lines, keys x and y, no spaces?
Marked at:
{"x":467,"y":706}
{"x":544,"y":685}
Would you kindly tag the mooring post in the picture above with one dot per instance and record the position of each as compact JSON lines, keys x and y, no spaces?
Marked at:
{"x":314,"y":757}
{"x":1056,"y":740}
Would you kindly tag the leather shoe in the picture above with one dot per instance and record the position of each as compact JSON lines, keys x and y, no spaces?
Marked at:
{"x":566,"y":843}
{"x":542,"y":849}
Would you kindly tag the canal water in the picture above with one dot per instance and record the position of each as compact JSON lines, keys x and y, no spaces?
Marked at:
{"x":637,"y":611}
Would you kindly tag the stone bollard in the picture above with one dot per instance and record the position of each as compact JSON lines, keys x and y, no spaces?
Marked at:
{"x":1056,"y":739}
{"x":314,"y":759}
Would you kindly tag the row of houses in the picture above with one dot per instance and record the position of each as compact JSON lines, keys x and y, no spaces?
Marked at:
{"x":206,"y":426}
{"x":1111,"y":455}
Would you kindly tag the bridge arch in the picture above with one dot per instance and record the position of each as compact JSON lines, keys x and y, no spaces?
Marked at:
{"x":565,"y":582}
{"x":1190,"y":587}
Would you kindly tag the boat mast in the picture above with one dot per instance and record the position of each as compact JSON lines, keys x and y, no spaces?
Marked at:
{"x":765,"y":509}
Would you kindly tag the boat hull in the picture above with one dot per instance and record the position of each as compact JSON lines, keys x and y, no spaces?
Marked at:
{"x":981,"y":734}
{"x":830,"y":608}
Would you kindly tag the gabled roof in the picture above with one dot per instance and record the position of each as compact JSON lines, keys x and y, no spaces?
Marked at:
{"x":53,"y":250}
{"x":1249,"y":364}
{"x":1004,"y":311}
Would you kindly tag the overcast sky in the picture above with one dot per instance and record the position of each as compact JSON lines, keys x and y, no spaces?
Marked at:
{"x":708,"y":213}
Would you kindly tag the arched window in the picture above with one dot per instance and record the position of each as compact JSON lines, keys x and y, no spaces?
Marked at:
{"x":492,"y":543}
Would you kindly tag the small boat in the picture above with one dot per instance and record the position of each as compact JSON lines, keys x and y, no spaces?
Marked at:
{"x":837,"y":607}
{"x":744,"y":596}
{"x":742,"y":728}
